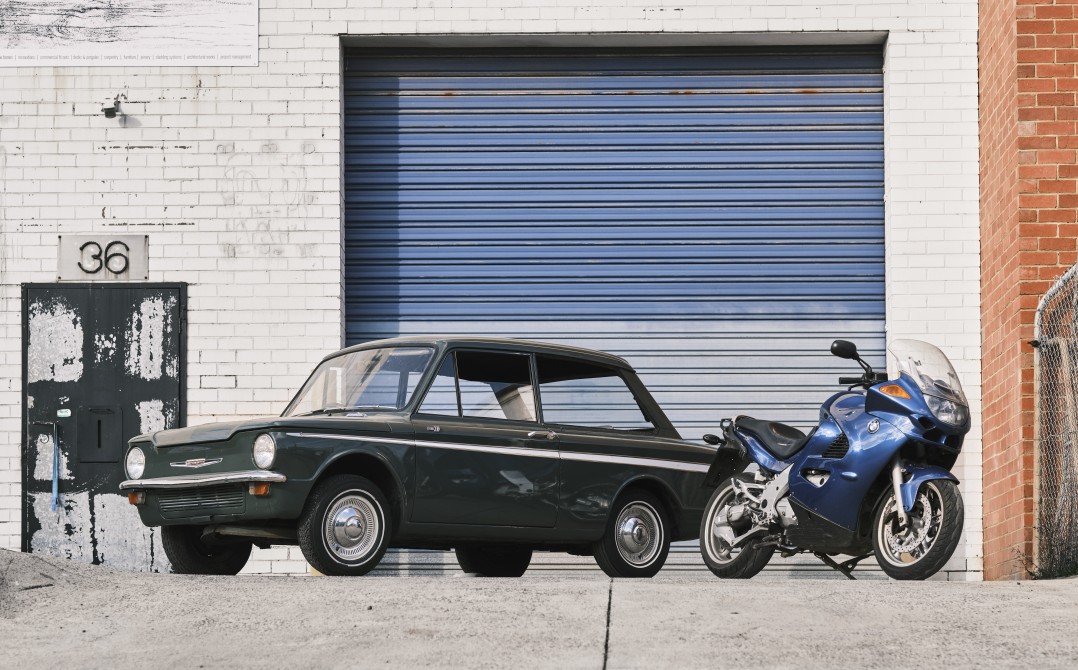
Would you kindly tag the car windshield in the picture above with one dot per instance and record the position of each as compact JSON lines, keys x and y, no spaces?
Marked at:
{"x":382,"y":378}
{"x":929,"y":368}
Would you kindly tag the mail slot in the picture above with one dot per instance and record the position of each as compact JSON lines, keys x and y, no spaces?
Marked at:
{"x":100,"y":434}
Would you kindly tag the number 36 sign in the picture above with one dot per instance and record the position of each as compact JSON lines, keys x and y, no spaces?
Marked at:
{"x":103,"y":258}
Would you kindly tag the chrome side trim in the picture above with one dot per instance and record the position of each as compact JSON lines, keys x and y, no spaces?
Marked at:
{"x":488,"y":449}
{"x":356,"y":438}
{"x":635,"y":460}
{"x":484,"y":448}
{"x":524,"y":451}
{"x":195,"y":481}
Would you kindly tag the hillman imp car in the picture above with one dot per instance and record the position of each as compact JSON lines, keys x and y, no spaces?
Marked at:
{"x":492,"y":447}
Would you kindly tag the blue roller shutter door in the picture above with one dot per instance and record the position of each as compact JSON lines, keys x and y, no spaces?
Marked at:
{"x":716,"y":217}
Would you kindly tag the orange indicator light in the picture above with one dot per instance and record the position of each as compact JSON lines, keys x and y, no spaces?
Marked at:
{"x":136,"y":497}
{"x":259,"y":489}
{"x":895,"y":391}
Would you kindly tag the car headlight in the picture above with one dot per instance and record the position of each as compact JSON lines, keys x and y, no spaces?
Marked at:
{"x":135,"y":463}
{"x":947,"y":411}
{"x":264,"y":451}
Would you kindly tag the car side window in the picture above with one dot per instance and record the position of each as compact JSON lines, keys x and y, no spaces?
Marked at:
{"x":578,"y":393}
{"x":495,"y":385}
{"x":492,"y":385}
{"x":441,"y":398}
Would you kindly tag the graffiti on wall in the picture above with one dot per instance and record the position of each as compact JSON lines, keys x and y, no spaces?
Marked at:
{"x":266,"y":197}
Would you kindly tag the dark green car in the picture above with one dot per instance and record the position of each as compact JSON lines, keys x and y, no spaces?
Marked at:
{"x":493,"y":447}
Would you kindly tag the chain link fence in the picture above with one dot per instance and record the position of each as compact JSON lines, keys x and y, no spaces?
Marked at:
{"x":1056,"y":334}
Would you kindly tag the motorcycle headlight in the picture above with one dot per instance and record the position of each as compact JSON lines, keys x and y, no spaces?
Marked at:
{"x":947,"y":411}
{"x":264,"y":451}
{"x":135,"y":463}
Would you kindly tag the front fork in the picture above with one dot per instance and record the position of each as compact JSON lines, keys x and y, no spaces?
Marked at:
{"x":896,"y":482}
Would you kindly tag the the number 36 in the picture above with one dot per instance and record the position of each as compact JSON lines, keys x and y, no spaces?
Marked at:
{"x":113,"y":258}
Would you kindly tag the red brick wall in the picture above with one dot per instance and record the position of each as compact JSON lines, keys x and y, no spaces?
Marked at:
{"x":1028,"y":212}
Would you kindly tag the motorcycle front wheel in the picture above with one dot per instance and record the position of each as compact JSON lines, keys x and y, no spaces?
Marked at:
{"x":920,"y":548}
{"x":717,"y":531}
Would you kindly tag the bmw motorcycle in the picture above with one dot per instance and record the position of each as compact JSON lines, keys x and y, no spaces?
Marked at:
{"x":873,"y":478}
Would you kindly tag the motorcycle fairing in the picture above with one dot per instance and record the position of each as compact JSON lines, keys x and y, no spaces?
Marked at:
{"x":913,"y":417}
{"x":870,"y":452}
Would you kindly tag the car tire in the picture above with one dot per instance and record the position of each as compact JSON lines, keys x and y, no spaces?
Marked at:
{"x":189,"y":555}
{"x":344,"y":528}
{"x":637,"y":538}
{"x":494,"y":560}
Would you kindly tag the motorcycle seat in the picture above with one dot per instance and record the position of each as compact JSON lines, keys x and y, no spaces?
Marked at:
{"x":780,"y":440}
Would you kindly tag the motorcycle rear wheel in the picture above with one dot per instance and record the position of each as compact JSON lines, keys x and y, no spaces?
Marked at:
{"x":723,"y":560}
{"x":920,"y":549}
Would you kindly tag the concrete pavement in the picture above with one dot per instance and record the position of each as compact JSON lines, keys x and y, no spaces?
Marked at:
{"x":57,"y":614}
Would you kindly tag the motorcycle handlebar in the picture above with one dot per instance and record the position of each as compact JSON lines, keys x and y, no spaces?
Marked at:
{"x":849,"y":381}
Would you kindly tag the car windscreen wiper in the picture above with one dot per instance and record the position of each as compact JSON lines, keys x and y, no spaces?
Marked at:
{"x":328,"y":410}
{"x":344,"y":410}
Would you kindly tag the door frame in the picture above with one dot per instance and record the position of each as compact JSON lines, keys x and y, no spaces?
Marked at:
{"x":180,"y":287}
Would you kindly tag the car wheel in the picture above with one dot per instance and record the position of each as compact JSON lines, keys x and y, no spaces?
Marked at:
{"x":189,"y":555}
{"x":344,"y":529}
{"x":494,"y":560}
{"x":637,"y":537}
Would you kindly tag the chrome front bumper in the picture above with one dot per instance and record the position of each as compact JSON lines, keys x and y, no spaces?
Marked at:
{"x":195,"y":481}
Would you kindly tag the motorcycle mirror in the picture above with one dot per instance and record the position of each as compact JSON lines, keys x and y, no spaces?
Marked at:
{"x":844,"y":349}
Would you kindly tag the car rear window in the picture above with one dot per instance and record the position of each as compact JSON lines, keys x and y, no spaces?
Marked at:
{"x":577,"y":393}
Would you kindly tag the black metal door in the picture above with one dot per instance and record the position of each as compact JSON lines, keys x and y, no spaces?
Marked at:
{"x":101,"y":364}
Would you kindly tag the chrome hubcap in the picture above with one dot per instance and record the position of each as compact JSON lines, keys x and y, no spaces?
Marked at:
{"x":348,"y":526}
{"x":634,"y":535}
{"x":353,"y":528}
{"x":640,"y":534}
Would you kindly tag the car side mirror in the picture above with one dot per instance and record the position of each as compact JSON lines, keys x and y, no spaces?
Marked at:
{"x":844,"y":349}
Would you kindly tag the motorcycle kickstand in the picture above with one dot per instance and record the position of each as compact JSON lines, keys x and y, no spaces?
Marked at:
{"x":846,"y":567}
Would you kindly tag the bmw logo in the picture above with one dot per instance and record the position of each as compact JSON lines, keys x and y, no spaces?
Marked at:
{"x":873,"y":425}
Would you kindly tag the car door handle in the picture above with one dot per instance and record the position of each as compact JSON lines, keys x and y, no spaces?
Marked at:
{"x":545,"y":434}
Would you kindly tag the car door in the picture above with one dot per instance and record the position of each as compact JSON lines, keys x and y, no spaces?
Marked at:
{"x":481,"y":457}
{"x":605,"y":438}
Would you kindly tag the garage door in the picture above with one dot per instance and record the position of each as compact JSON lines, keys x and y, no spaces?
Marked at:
{"x":715,"y":217}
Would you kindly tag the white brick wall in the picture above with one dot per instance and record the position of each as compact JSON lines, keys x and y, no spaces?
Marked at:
{"x":234,"y":174}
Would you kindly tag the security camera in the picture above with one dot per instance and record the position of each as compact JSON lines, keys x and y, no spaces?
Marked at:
{"x":110,"y":108}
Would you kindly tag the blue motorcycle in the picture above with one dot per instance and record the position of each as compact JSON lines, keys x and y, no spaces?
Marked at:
{"x":873,"y":478}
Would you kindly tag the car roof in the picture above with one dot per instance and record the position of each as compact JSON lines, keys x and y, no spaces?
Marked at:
{"x":508,"y":343}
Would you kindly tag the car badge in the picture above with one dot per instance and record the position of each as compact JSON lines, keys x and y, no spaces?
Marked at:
{"x":196,"y":463}
{"x":873,"y":425}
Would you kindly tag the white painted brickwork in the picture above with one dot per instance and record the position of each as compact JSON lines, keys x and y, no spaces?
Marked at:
{"x":235,"y":175}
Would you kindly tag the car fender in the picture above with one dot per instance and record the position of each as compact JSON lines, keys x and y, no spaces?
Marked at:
{"x":368,"y":451}
{"x":651,"y":482}
{"x":919,"y":474}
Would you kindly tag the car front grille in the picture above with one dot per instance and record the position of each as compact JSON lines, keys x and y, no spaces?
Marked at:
{"x":223,"y":499}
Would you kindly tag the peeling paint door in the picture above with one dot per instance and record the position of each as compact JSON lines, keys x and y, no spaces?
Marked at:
{"x":101,"y":364}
